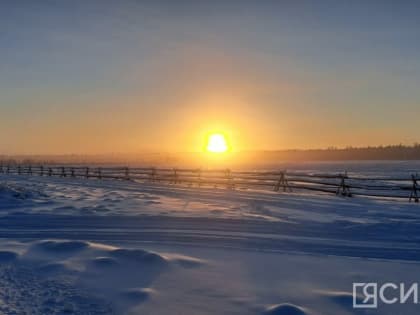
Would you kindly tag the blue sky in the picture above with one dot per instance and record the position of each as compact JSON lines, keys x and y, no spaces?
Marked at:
{"x":127,"y":76}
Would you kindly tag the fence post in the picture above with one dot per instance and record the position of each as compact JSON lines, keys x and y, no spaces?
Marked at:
{"x":175,"y":177}
{"x":127,"y":173}
{"x":19,"y":170}
{"x":30,"y":170}
{"x":99,"y":173}
{"x":343,"y":189}
{"x":8,"y":169}
{"x":414,"y":190}
{"x":72,"y":172}
{"x":50,"y":171}
{"x":282,"y":182}
{"x":63,"y":172}
{"x":87,"y":172}
{"x":152,"y":177}
{"x":41,"y":170}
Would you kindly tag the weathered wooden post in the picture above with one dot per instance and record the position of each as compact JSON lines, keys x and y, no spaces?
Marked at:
{"x":29,"y":170}
{"x":19,"y":170}
{"x":127,"y":173}
{"x":41,"y":170}
{"x":343,"y":188}
{"x":8,"y":169}
{"x":50,"y":171}
{"x":63,"y":172}
{"x":72,"y":172}
{"x":153,"y":174}
{"x":99,"y":171}
{"x":282,"y":182}
{"x":175,"y":176}
{"x":87,"y":172}
{"x":414,"y":190}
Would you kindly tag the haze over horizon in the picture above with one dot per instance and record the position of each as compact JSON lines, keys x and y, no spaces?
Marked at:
{"x":92,"y":77}
{"x":151,"y":152}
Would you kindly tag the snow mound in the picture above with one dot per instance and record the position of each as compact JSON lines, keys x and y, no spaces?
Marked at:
{"x":104,"y":262}
{"x":285,"y":309}
{"x":62,"y":246}
{"x":185,"y":261}
{"x":91,"y":267}
{"x":139,"y":256}
{"x":101,"y":256}
{"x":151,"y":258}
{"x":52,"y":249}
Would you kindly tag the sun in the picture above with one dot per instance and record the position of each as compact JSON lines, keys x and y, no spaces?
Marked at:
{"x":216,"y":143}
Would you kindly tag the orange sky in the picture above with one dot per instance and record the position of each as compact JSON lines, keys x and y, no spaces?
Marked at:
{"x":114,"y":78}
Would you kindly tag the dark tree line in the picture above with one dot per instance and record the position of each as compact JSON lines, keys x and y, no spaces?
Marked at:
{"x":390,"y":152}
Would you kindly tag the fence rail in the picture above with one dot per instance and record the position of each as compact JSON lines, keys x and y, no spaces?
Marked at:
{"x":339,"y":183}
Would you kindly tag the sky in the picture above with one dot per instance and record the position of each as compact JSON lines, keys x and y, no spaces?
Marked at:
{"x":88,"y":77}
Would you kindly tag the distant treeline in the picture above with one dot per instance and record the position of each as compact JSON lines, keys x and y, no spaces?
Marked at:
{"x":390,"y":152}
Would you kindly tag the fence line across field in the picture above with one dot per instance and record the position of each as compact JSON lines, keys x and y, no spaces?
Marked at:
{"x":282,"y":181}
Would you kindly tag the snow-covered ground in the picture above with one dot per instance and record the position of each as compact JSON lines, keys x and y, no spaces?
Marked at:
{"x":76,"y":246}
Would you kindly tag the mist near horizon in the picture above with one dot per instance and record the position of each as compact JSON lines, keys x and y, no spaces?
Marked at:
{"x":281,"y":159}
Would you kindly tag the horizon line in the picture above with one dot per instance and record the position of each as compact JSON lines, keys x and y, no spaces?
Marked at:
{"x":148,"y":152}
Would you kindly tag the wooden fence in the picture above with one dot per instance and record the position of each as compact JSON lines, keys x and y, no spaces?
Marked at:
{"x":340,"y":184}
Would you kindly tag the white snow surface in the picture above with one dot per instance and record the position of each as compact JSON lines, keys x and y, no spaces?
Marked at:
{"x":77,"y":246}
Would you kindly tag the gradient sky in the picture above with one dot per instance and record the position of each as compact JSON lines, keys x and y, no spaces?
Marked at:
{"x":131,"y":76}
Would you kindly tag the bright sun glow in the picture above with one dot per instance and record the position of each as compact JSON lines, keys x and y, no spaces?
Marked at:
{"x":216,"y":143}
